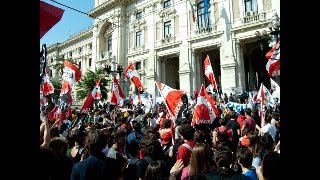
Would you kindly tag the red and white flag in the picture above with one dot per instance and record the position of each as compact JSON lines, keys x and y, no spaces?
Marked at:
{"x":43,"y":100}
{"x":47,"y":85}
{"x":261,"y":97}
{"x":213,"y":104}
{"x":117,"y":94}
{"x":131,"y":73}
{"x":209,"y":72}
{"x":95,"y":94}
{"x":172,"y":98}
{"x":203,"y":111}
{"x":71,"y":73}
{"x":273,"y":64}
{"x":49,"y":16}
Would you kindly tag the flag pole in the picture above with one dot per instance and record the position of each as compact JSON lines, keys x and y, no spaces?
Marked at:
{"x":164,"y":101}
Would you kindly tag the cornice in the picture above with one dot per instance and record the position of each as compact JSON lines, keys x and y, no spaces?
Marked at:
{"x":108,"y":5}
{"x":83,"y":34}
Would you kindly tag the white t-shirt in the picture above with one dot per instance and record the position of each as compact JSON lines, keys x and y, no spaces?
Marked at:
{"x":271,"y":129}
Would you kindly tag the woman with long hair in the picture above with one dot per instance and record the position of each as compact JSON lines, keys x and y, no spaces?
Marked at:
{"x":199,"y":162}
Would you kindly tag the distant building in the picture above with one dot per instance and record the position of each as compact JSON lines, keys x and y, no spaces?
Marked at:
{"x":168,"y":41}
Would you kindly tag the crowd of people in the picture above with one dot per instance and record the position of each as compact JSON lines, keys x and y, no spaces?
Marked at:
{"x":145,"y":143}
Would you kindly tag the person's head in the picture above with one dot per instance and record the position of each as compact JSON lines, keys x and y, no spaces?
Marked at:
{"x":135,"y":125}
{"x":59,"y":145}
{"x":271,"y":165}
{"x":242,"y":112}
{"x":119,"y":138}
{"x":151,"y":147}
{"x":96,"y":141}
{"x":166,"y":123}
{"x":223,"y":159}
{"x":166,"y":138}
{"x":244,"y":157}
{"x":223,"y":121}
{"x":233,"y":115}
{"x":186,"y":131}
{"x":266,"y":142}
{"x":268,"y":119}
{"x":157,"y":170}
{"x":200,"y":159}
{"x":184,"y":99}
{"x":54,"y":132}
{"x":247,"y":112}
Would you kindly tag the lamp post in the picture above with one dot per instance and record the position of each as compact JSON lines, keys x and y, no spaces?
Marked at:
{"x":263,"y":38}
{"x":274,"y":27}
{"x":114,"y":68}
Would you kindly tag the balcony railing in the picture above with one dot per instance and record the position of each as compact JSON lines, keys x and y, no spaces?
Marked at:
{"x":204,"y":30}
{"x":254,"y":17}
{"x":105,"y":56}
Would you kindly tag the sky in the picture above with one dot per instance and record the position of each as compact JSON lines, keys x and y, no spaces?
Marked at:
{"x":71,"y":23}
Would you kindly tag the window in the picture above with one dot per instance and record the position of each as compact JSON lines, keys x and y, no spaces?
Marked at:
{"x":138,"y":38}
{"x":63,"y":56}
{"x":166,"y":4}
{"x":80,"y":49}
{"x":138,"y":65}
{"x":70,"y":53}
{"x":90,"y":46}
{"x":110,"y":43}
{"x":203,"y":16}
{"x":167,"y":27}
{"x":90,"y":59}
{"x":79,"y":64}
{"x":51,"y":60}
{"x":138,"y":15}
{"x":251,"y":5}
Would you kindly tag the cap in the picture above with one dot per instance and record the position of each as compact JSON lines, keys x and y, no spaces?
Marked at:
{"x":166,"y":138}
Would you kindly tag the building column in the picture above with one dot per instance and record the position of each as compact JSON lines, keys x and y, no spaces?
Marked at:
{"x":228,"y":68}
{"x":95,"y":47}
{"x":240,"y":65}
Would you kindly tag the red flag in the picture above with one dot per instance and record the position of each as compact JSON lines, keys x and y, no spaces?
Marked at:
{"x":261,"y":97}
{"x":172,"y":98}
{"x":213,"y":103}
{"x":93,"y":95}
{"x":52,"y":113}
{"x":203,"y":112}
{"x":71,"y":73}
{"x":49,"y":16}
{"x":117,"y":94}
{"x":47,"y":85}
{"x":131,"y":73}
{"x":273,"y":64}
{"x":209,"y":72}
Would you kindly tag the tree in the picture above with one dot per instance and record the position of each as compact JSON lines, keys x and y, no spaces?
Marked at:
{"x":88,"y":82}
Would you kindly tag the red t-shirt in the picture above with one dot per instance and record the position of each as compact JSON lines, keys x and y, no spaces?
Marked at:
{"x":184,"y":153}
{"x":240,"y":120}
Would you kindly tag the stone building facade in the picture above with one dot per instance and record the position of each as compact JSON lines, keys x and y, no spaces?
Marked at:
{"x":168,"y":41}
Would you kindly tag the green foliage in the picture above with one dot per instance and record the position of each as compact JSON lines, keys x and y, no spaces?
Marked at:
{"x":87,"y":82}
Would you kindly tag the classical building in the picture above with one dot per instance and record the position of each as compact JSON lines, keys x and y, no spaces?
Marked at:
{"x":168,"y":40}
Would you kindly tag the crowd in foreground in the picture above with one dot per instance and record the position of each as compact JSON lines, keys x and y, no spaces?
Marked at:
{"x":138,"y":143}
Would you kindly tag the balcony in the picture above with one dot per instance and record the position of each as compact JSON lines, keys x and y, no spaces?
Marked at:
{"x":105,"y":56}
{"x":168,"y":40}
{"x":254,"y":17}
{"x":252,"y":20}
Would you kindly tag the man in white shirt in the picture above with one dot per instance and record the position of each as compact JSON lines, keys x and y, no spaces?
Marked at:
{"x":269,"y":128}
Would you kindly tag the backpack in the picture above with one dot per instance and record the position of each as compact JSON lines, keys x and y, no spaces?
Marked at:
{"x":131,"y":171}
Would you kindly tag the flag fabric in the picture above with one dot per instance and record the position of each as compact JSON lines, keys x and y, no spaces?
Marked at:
{"x":209,"y":72}
{"x":172,"y":98}
{"x":203,"y":112}
{"x":193,"y":12}
{"x":131,"y":73}
{"x":95,"y":94}
{"x":71,"y":73}
{"x":117,"y":94}
{"x":47,"y":85}
{"x":261,"y":97}
{"x":213,"y":104}
{"x":273,"y":64}
{"x":43,"y":100}
{"x":210,"y":89}
{"x":49,"y":16}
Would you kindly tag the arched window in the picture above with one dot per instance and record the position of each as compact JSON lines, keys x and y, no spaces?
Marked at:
{"x":203,"y":14}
